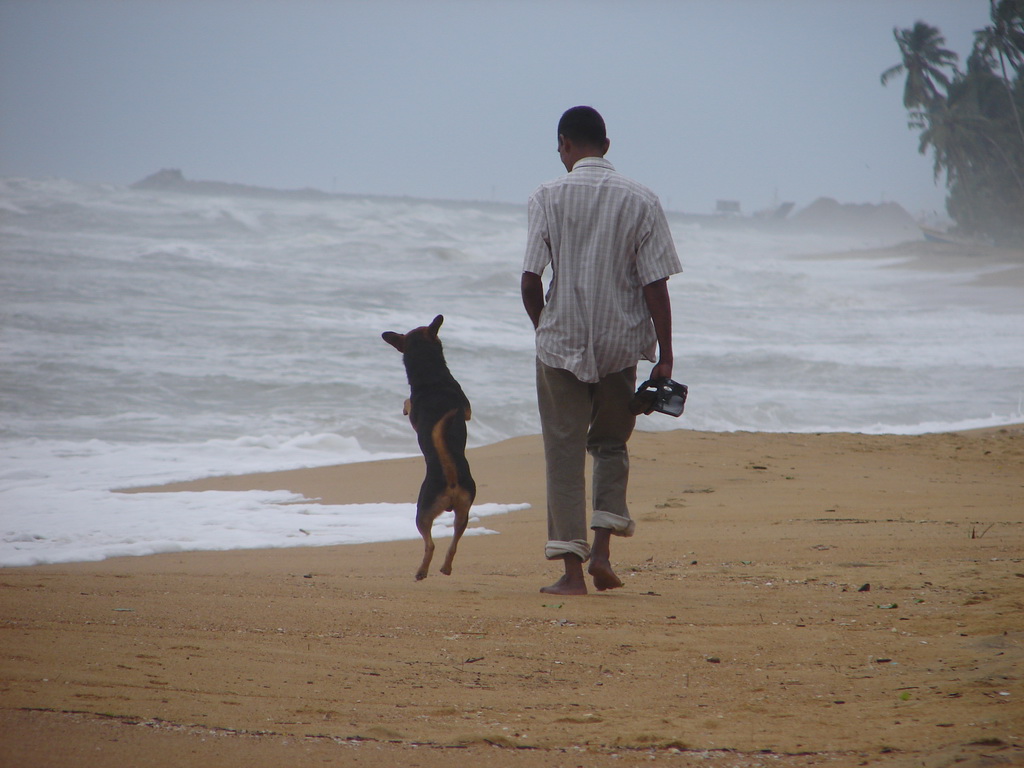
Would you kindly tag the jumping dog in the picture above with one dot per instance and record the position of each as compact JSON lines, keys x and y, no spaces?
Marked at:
{"x":438,"y":410}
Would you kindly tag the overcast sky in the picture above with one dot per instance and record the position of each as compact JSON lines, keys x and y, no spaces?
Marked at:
{"x":753,"y":100}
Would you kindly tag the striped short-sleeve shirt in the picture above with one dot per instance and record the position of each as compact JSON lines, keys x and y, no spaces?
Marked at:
{"x":605,"y":237}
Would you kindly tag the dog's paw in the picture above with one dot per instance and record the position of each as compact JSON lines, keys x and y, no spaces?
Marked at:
{"x":407,"y":407}
{"x":421,"y":575}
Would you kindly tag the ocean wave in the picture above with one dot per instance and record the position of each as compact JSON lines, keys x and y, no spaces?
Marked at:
{"x":150,"y":335}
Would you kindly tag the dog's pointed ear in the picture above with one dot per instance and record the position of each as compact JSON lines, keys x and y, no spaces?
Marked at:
{"x":435,"y":324}
{"x":396,"y":340}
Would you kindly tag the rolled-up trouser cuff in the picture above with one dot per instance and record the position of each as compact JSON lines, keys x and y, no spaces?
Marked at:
{"x":555,"y":550}
{"x":617,"y":524}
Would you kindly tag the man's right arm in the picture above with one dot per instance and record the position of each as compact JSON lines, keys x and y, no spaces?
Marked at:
{"x":660,"y":306}
{"x":532,"y":288}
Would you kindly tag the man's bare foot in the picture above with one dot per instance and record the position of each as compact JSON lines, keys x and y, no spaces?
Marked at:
{"x":567,"y":585}
{"x":600,"y":562}
{"x":604,"y":577}
{"x":572,"y":583}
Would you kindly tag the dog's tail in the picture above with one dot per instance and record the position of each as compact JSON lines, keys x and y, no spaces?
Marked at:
{"x":451,"y":472}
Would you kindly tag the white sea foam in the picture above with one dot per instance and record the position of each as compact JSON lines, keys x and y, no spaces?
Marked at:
{"x":121,"y":525}
{"x":58,"y":504}
{"x":150,"y":336}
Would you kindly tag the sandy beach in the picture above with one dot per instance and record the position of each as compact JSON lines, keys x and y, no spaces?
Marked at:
{"x":793,"y":600}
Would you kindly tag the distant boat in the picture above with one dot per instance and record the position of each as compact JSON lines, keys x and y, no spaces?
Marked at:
{"x":782,"y":211}
{"x":938,"y":236}
{"x":776,"y":212}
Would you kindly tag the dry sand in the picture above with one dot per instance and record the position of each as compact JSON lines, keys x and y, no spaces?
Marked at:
{"x":789,"y":600}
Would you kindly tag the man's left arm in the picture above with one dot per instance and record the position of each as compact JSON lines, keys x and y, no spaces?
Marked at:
{"x":660,"y":307}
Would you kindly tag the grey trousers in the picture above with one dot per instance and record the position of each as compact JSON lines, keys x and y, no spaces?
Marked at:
{"x":576,"y":419}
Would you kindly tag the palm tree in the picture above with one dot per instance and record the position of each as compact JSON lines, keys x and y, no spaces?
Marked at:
{"x":923,"y":60}
{"x":971,"y":120}
{"x":1006,"y":35}
{"x":1006,"y":38}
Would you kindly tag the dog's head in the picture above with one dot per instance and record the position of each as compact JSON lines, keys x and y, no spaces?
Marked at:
{"x":399,"y":340}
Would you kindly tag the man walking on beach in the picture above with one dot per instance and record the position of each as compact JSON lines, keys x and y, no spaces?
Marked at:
{"x":607,"y":241}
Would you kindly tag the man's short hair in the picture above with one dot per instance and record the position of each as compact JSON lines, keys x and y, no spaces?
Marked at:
{"x":583,"y":125}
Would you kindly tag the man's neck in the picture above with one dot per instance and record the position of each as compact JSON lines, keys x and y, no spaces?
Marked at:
{"x":572,"y":153}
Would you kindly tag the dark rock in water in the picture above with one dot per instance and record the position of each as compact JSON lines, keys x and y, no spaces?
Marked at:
{"x":173,"y":180}
{"x":828,"y":215}
{"x":166,"y":178}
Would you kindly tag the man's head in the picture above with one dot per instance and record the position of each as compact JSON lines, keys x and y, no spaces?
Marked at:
{"x":581,"y":133}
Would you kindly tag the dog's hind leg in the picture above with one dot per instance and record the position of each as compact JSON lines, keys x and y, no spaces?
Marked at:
{"x":424,"y":526}
{"x":427,"y":511}
{"x":461,"y":502}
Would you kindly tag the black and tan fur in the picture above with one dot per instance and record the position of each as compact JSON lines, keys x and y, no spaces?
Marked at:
{"x":438,"y":410}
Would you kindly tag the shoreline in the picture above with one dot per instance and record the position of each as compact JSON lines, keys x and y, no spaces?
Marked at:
{"x":337,"y":487}
{"x":1005,"y":264}
{"x":783,"y":592}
